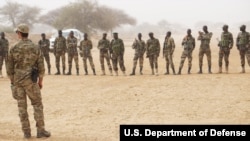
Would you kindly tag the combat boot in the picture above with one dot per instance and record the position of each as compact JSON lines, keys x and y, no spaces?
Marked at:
{"x":189,"y":69}
{"x":141,"y":70}
{"x":58,"y":71}
{"x":86,"y":71}
{"x":77,"y":71}
{"x":173,"y":70}
{"x":243,"y":70}
{"x":69,"y":73}
{"x":200,"y":72}
{"x":43,"y":133}
{"x":226,"y":69}
{"x":133,"y":72}
{"x":94,"y":71}
{"x":1,"y":75}
{"x":27,"y":135}
{"x":153,"y":73}
{"x":103,"y":72}
{"x":179,"y":72}
{"x":209,"y":69}
{"x":63,"y":70}
{"x":156,"y":72}
{"x":220,"y":70}
{"x":167,"y":70}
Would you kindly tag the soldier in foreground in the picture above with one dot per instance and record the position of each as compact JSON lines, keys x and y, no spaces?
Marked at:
{"x":72,"y":52}
{"x":59,"y":51}
{"x":104,"y":47}
{"x":226,"y":44}
{"x":242,"y":42}
{"x":153,"y":52}
{"x":140,"y":47}
{"x":44,"y":46}
{"x":168,"y":50}
{"x":85,"y":47}
{"x":25,"y":66}
{"x":205,"y":38}
{"x":4,"y":48}
{"x":117,"y":54}
{"x":189,"y":44}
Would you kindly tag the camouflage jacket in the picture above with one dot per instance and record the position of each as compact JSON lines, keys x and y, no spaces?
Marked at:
{"x":44,"y":46}
{"x":189,"y":43}
{"x":139,"y":46}
{"x":104,"y":46}
{"x":24,"y":56}
{"x":72,"y":45}
{"x":226,"y":40}
{"x":243,"y":38}
{"x":153,"y":47}
{"x":117,"y":47}
{"x":60,"y":44}
{"x":205,"y":38}
{"x":4,"y":47}
{"x":85,"y":47}
{"x":168,"y":44}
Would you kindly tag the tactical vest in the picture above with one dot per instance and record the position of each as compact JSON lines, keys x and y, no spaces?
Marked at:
{"x":226,"y":39}
{"x":189,"y":43}
{"x":116,"y":46}
{"x":153,"y":46}
{"x":60,"y":43}
{"x":243,"y":38}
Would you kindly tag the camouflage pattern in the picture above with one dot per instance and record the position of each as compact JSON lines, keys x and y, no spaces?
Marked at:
{"x":117,"y":50}
{"x":72,"y":51}
{"x":140,"y":47}
{"x":205,"y":47}
{"x":225,"y":45}
{"x":189,"y":45}
{"x":168,"y":50}
{"x":21,"y":59}
{"x":4,"y":48}
{"x":104,"y":47}
{"x":44,"y":46}
{"x":85,"y":47}
{"x":242,"y":41}
{"x":59,"y":51}
{"x":153,"y":52}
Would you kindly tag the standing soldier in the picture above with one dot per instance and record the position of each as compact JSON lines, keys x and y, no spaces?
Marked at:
{"x":25,"y":70}
{"x":140,"y":47}
{"x":168,"y":50}
{"x":205,"y":38}
{"x":189,"y":44}
{"x":153,"y":52}
{"x":72,"y":52}
{"x":85,"y":47}
{"x":226,"y":44}
{"x":242,"y":43}
{"x":117,"y":53}
{"x":104,"y":47}
{"x":44,"y":46}
{"x":59,"y":51}
{"x":4,"y":48}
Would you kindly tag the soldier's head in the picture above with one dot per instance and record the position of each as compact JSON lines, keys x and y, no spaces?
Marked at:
{"x":189,"y":32}
{"x":225,"y":28}
{"x":115,"y":35}
{"x":2,"y":35}
{"x":168,"y":34}
{"x":139,"y":36}
{"x":243,"y":28}
{"x":151,"y":35}
{"x":205,"y":28}
{"x":85,"y":36}
{"x":43,"y":36}
{"x":22,"y":31}
{"x":104,"y":35}
{"x":60,"y":33}
{"x":71,"y":34}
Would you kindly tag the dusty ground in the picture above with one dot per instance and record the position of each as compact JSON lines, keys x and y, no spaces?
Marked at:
{"x":92,"y":107}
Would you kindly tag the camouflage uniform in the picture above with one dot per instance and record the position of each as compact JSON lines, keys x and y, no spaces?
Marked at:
{"x":153,"y":52}
{"x":189,"y":44}
{"x":59,"y":51}
{"x":243,"y":40}
{"x":140,"y":47}
{"x":205,"y":49}
{"x":72,"y":53}
{"x":4,"y":48}
{"x":168,"y":50}
{"x":22,"y":58}
{"x":44,"y":46}
{"x":85,"y":47}
{"x":104,"y":47}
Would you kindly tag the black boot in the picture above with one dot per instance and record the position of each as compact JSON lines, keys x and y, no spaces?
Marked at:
{"x":69,"y":73}
{"x":133,"y":72}
{"x":200,"y":72}
{"x":209,"y":69}
{"x":58,"y":71}
{"x":77,"y":71}
{"x":189,"y":69}
{"x":94,"y":72}
{"x":173,"y":70}
{"x":179,"y":73}
{"x":86,"y":71}
{"x":141,"y":70}
{"x":167,"y":70}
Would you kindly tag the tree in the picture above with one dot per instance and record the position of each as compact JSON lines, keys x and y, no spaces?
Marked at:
{"x":14,"y":13}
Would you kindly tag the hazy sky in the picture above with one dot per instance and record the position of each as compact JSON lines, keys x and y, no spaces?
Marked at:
{"x":186,"y":12}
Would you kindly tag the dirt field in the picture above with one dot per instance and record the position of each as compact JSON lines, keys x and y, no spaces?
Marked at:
{"x":91,"y":108}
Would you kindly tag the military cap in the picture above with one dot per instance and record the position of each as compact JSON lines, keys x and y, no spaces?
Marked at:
{"x":150,"y":33}
{"x":22,"y":28}
{"x":115,"y":33}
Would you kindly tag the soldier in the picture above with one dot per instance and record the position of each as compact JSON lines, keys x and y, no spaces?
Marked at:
{"x":72,"y":52}
{"x":242,"y":43}
{"x":59,"y":51}
{"x":117,"y":53}
{"x":226,"y":44}
{"x":4,"y":48}
{"x":189,"y":44}
{"x":23,"y":59}
{"x":104,"y":47}
{"x":85,"y":47}
{"x":153,"y":52}
{"x":168,"y":50}
{"x":205,"y":38}
{"x":44,"y":46}
{"x":140,"y":47}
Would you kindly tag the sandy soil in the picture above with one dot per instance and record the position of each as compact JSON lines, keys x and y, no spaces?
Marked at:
{"x":92,"y":107}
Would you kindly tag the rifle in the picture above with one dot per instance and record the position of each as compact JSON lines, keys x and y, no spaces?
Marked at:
{"x":219,"y":42}
{"x":34,"y":74}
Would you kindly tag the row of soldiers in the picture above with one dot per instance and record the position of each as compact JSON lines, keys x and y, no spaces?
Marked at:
{"x":114,"y":51}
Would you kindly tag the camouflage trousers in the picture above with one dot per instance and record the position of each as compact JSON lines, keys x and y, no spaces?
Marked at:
{"x":32,"y":91}
{"x":102,"y":57}
{"x":244,"y":53}
{"x":90,"y":58}
{"x":47,"y":59}
{"x":136,"y":58}
{"x":70,"y":60}
{"x":169,"y":59}
{"x":2,"y":60}
{"x":224,"y":53}
{"x":118,"y":59}
{"x":186,"y":54}
{"x":58,"y":56}
{"x":153,"y":61}
{"x":202,"y":52}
